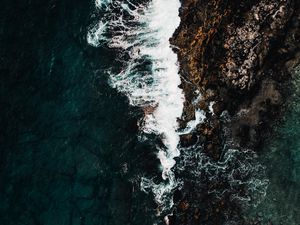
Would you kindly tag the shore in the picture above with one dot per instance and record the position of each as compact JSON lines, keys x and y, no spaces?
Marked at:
{"x":236,"y":60}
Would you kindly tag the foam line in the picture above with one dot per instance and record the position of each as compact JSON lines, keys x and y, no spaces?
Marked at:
{"x":143,"y":32}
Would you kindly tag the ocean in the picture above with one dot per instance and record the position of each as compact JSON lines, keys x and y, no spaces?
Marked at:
{"x":71,"y":148}
{"x":281,"y":156}
{"x":89,"y":106}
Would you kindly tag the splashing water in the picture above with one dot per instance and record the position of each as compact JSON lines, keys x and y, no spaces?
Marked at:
{"x":141,"y":32}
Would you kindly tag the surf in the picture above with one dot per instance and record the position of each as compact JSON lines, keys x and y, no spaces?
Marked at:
{"x":148,"y":75}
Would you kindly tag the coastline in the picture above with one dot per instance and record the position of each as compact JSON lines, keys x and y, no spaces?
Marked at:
{"x":238,"y":57}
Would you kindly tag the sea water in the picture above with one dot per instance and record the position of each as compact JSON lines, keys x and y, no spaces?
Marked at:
{"x":148,"y":75}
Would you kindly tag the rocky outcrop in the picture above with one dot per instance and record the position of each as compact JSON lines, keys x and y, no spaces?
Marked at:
{"x":236,"y":55}
{"x":248,"y":45}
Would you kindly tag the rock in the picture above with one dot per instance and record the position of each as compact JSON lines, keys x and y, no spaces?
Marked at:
{"x":187,"y":140}
{"x":218,"y":108}
{"x":239,"y":55}
{"x":251,"y":42}
{"x":183,"y":205}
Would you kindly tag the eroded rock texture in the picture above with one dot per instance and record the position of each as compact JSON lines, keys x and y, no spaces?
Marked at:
{"x":238,"y":56}
{"x":248,"y":45}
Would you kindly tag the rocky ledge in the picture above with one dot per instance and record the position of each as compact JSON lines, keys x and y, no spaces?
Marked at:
{"x":238,"y":57}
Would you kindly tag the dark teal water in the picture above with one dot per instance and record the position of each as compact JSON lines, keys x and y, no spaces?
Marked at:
{"x":69,"y":151}
{"x":281,"y":156}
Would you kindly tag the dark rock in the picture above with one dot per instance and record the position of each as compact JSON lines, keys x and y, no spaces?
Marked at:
{"x":238,"y":55}
{"x":187,"y":140}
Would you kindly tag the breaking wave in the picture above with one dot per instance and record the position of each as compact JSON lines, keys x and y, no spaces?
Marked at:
{"x":148,"y":74}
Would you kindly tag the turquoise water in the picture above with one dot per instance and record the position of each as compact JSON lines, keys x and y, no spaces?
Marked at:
{"x":281,"y":155}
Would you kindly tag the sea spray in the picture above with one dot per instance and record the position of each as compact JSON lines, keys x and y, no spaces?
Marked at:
{"x":148,"y":76}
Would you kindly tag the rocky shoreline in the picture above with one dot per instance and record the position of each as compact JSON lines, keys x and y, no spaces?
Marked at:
{"x":238,"y":56}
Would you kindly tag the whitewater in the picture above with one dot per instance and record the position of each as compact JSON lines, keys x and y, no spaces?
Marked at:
{"x":148,"y":76}
{"x":141,"y":32}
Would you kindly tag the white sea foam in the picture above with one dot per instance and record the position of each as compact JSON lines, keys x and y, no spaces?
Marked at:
{"x":210,"y":107}
{"x":142,"y":32}
{"x":244,"y":176}
{"x":191,"y":125}
{"x":95,"y":35}
{"x":102,"y":3}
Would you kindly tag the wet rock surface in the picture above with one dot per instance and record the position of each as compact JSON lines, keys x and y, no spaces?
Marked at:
{"x":238,"y":56}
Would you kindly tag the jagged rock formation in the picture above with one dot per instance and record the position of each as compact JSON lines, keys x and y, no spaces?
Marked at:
{"x":248,"y":45}
{"x":238,"y":56}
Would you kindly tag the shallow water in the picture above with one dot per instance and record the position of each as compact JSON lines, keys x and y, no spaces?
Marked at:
{"x":281,"y":155}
